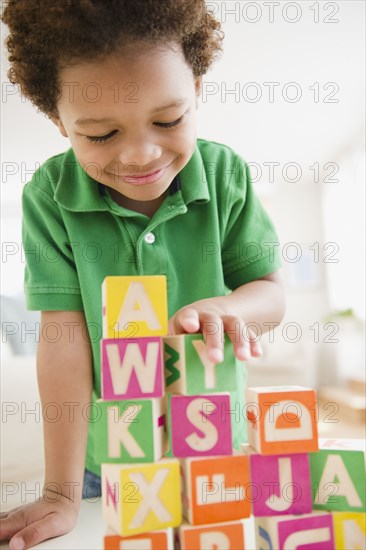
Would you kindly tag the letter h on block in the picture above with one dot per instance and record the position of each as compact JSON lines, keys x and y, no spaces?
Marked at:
{"x":134,"y":307}
{"x":141,"y":498}
{"x":215,"y":489}
{"x":282,"y":420}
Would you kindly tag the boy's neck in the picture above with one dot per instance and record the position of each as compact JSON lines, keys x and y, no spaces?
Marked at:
{"x":148,"y":208}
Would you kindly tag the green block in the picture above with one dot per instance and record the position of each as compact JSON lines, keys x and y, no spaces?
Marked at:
{"x":338,"y":480}
{"x":187,"y":370}
{"x":130,"y":431}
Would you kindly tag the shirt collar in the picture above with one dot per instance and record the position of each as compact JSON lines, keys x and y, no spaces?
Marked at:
{"x":78,"y":192}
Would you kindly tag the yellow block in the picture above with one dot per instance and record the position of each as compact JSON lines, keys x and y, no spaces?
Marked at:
{"x":349,"y":530}
{"x":135,"y":307}
{"x":150,"y":497}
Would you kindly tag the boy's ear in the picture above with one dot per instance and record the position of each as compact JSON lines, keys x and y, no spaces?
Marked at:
{"x":57,"y":121}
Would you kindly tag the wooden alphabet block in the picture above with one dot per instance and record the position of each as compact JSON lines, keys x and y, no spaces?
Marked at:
{"x":134,"y":307}
{"x":282,"y":420}
{"x":311,"y":531}
{"x":215,"y":489}
{"x":338,"y":476}
{"x":216,"y":536}
{"x":280,"y":483}
{"x":197,"y":427}
{"x":138,"y":498}
{"x":349,"y":530}
{"x":132,"y":368}
{"x":154,"y":540}
{"x":130,"y":431}
{"x":188,"y":371}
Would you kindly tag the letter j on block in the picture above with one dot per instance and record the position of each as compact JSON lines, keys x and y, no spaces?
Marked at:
{"x":134,"y":307}
{"x":282,"y":419}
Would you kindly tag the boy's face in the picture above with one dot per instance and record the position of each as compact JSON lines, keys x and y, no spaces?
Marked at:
{"x":144,"y":129}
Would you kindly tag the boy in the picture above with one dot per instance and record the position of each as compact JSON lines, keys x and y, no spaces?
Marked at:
{"x":136,"y":194}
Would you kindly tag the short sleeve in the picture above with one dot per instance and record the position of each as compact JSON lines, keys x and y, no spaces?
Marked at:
{"x":250,"y":245}
{"x":51,"y":279}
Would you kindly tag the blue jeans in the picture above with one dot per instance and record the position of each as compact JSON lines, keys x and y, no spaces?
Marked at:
{"x":91,"y":485}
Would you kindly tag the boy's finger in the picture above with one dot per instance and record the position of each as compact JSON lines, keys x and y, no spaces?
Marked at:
{"x":255,"y":347}
{"x":236,"y":330}
{"x":11,"y":524}
{"x":213,"y":334}
{"x":187,"y":320}
{"x":37,"y":532}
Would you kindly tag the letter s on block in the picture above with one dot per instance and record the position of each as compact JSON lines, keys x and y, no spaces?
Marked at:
{"x":196,"y":417}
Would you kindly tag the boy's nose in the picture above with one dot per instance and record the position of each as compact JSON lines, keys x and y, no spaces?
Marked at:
{"x":139,"y":154}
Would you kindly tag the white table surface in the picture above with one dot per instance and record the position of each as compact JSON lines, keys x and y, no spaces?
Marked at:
{"x":90,"y":530}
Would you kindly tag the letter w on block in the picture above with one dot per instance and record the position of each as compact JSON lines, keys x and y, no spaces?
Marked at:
{"x":132,"y":369}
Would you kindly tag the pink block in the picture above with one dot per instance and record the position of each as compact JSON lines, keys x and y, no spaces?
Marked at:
{"x":312,"y":533}
{"x":198,"y":427}
{"x":280,"y":484}
{"x":132,"y":368}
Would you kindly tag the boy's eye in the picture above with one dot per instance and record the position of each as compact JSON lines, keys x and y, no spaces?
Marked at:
{"x":101,"y":139}
{"x":169,"y":124}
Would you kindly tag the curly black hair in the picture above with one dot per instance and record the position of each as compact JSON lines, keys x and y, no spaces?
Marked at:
{"x":48,"y":35}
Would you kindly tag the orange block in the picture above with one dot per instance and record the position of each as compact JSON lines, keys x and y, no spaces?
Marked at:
{"x":282,"y":419}
{"x":215,"y":536}
{"x":215,"y":489}
{"x":154,"y":540}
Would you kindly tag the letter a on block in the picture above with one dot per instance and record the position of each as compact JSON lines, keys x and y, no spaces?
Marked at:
{"x":134,"y":307}
{"x":336,"y":485}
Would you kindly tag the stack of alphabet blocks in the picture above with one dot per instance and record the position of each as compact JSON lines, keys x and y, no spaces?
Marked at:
{"x":165,"y":444}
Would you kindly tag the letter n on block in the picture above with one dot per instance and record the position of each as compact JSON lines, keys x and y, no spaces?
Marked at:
{"x":188,"y":371}
{"x":311,"y":531}
{"x":197,"y":426}
{"x":350,"y":530}
{"x":338,"y":478}
{"x":130,"y":431}
{"x":217,"y":536}
{"x":215,"y":489}
{"x":155,"y":540}
{"x":282,"y":420}
{"x":132,"y":368}
{"x":141,"y":498}
{"x":134,"y":306}
{"x":281,"y":483}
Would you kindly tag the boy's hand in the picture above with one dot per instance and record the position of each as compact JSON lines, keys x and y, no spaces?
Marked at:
{"x":209,"y":318}
{"x":33,"y":523}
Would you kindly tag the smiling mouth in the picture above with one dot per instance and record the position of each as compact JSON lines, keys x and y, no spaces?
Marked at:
{"x":140,"y":179}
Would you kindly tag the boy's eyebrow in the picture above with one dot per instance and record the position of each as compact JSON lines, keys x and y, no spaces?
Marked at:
{"x":84,"y":121}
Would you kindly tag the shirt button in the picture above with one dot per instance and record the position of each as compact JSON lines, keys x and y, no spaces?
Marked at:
{"x":149,"y":238}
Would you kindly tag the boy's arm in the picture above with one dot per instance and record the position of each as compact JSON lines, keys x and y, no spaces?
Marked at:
{"x":256,"y":305}
{"x":64,"y":369}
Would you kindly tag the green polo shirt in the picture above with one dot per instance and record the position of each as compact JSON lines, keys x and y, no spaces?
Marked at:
{"x":209,"y":236}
